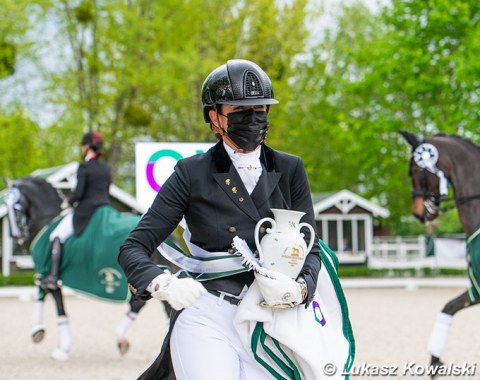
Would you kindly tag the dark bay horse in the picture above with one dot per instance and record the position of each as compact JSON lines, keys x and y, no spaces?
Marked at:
{"x":32,"y":204}
{"x":436,"y":162}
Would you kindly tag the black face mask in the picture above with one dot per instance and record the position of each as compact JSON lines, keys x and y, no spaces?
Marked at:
{"x":247,"y":129}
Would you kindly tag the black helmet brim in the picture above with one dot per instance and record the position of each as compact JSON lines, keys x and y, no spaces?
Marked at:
{"x":249,"y":102}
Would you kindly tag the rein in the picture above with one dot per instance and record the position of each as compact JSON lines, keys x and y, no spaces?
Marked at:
{"x":459,"y":200}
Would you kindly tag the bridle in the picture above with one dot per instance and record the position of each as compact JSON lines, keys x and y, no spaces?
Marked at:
{"x":17,"y":217}
{"x":425,"y":156}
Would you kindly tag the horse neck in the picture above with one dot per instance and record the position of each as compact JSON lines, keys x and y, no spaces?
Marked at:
{"x":42,"y":212}
{"x":459,"y":166}
{"x":36,"y":226}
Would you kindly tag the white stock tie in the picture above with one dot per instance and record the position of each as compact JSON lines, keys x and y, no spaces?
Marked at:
{"x":248,"y":166}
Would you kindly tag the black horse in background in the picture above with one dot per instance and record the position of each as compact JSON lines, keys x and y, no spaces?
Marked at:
{"x":32,"y":205}
{"x":436,"y":162}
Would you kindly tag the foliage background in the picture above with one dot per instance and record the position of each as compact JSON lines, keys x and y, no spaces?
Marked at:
{"x":348,"y":75}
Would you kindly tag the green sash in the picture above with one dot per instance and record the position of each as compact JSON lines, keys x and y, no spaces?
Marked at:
{"x":89,"y":261}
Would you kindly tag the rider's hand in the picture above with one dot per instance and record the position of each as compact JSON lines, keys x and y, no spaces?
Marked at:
{"x":178,"y":292}
{"x":280,"y":290}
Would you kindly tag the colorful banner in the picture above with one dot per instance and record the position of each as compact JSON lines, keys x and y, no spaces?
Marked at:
{"x":154,"y":163}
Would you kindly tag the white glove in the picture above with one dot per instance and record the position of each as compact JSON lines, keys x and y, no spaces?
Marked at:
{"x":279,"y":291}
{"x":178,"y":292}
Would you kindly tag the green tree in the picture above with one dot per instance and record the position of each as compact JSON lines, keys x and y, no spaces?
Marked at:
{"x":134,"y":70}
{"x":18,"y":145}
{"x":406,"y":67}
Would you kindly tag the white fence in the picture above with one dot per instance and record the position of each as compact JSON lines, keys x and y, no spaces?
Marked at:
{"x":386,"y":252}
{"x":399,"y":248}
{"x":411,"y":252}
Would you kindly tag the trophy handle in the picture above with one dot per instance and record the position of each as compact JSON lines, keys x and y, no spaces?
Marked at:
{"x":255,"y":234}
{"x":312,"y":235}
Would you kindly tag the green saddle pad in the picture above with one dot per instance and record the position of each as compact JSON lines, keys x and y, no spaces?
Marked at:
{"x":89,"y":261}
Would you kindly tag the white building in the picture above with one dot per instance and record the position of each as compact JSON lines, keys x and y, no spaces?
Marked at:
{"x":345,"y":223}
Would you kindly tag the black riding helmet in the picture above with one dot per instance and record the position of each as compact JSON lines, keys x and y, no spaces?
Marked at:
{"x":238,"y":82}
{"x":94,"y":140}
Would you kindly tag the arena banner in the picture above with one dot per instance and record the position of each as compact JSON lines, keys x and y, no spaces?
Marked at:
{"x":154,"y":163}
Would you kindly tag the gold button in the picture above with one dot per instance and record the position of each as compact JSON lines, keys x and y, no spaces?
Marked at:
{"x":132,"y":289}
{"x":232,"y":229}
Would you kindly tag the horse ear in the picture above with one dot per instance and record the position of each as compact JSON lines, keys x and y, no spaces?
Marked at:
{"x":411,"y":138}
{"x":7,"y":181}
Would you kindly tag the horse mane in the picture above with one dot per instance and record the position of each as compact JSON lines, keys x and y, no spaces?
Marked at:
{"x":48,"y":190}
{"x":461,"y":139}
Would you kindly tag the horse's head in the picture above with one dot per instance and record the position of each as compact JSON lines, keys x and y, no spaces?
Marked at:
{"x":31,"y":203}
{"x":428,"y":181}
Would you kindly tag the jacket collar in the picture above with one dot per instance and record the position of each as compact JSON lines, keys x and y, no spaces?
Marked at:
{"x":229,"y":180}
{"x":223,"y":163}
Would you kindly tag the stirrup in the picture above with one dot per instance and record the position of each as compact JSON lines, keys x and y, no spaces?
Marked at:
{"x":49,"y":282}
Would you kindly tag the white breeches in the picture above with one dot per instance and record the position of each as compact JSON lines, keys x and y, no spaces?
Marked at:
{"x":64,"y":229}
{"x":205,"y":345}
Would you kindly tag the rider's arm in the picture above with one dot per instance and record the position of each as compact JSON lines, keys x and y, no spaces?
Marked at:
{"x":78,"y":193}
{"x":155,"y":226}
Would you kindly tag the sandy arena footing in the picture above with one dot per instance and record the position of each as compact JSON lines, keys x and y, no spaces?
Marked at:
{"x":391,"y":325}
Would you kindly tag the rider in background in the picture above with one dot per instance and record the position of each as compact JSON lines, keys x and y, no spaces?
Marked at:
{"x":92,"y":189}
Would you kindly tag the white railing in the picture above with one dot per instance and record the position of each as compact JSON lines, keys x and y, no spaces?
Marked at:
{"x":398,"y":248}
{"x":411,"y":252}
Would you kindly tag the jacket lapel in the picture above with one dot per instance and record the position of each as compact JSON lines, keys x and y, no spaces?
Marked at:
{"x":265,"y":186}
{"x":232,"y":185}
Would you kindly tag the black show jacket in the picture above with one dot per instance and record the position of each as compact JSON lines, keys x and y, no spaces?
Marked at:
{"x":207,"y":190}
{"x":93,"y":183}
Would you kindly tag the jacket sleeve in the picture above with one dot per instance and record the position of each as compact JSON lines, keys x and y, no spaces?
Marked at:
{"x":156,"y":225}
{"x":302,"y":201}
{"x":79,"y":191}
